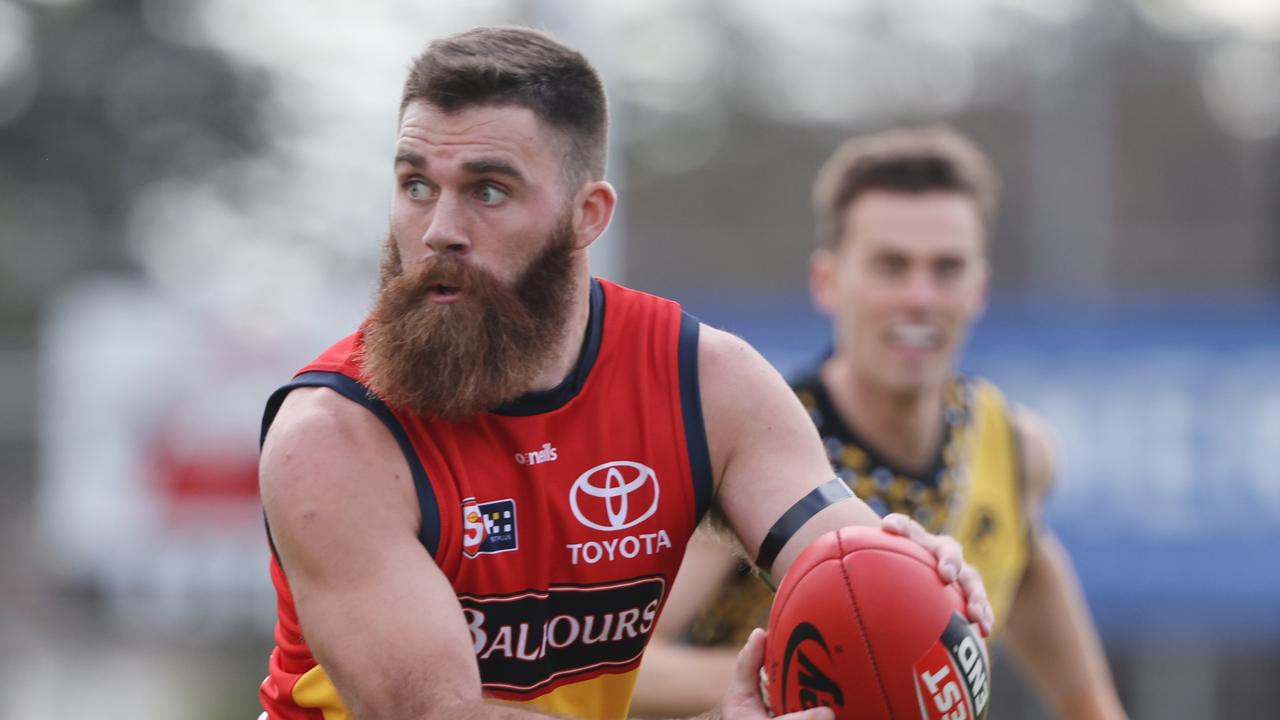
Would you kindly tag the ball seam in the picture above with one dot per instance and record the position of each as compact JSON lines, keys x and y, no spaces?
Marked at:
{"x":862,"y":628}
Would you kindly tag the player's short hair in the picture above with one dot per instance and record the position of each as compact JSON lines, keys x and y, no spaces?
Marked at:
{"x":907,"y":160}
{"x":523,"y":67}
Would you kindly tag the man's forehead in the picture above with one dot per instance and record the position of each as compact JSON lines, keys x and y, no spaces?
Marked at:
{"x":911,"y":203}
{"x":507,"y":139}
{"x":909,"y":220}
{"x":483,"y":123}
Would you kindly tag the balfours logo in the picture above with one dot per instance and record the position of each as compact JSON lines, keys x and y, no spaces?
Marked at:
{"x":527,"y":640}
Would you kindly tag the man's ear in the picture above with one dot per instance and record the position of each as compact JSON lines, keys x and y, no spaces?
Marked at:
{"x":822,"y":280}
{"x":592,"y":212}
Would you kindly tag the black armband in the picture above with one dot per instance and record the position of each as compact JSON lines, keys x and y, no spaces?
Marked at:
{"x":828,"y":493}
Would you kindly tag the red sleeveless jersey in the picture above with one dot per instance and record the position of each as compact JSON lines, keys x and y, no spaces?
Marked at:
{"x":559,"y":518}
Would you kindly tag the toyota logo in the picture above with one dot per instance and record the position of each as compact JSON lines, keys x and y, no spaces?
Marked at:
{"x":615,"y":495}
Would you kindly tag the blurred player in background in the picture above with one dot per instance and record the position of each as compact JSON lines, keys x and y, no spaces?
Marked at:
{"x":903,"y":220}
{"x":484,"y":493}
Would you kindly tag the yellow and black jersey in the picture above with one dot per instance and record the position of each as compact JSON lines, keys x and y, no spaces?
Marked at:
{"x":973,"y":492}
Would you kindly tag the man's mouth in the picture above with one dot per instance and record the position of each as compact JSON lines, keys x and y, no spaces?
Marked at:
{"x":442,"y":293}
{"x":915,"y":336}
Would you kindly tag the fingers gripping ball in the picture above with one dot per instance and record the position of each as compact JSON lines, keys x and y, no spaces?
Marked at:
{"x":863,"y":624}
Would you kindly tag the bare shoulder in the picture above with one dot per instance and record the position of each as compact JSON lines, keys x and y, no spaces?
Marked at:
{"x":726,"y":359}
{"x":376,"y":611}
{"x":328,"y":465}
{"x":765,"y":451}
{"x":737,"y":381}
{"x":1039,"y":453}
{"x":742,"y":394}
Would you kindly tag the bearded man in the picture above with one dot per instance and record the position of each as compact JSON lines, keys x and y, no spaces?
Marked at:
{"x":478,"y":501}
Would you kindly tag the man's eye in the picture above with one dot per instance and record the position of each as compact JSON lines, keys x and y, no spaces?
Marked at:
{"x":890,"y":265}
{"x":417,"y":189}
{"x":949,"y":270}
{"x":490,"y":194}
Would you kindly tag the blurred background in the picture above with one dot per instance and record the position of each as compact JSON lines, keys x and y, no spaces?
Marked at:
{"x":193,"y":192}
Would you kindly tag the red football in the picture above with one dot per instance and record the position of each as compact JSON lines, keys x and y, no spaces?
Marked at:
{"x":863,"y":624}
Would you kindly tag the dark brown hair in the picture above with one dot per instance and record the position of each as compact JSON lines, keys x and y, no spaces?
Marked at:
{"x":908,"y":160}
{"x":522,"y":67}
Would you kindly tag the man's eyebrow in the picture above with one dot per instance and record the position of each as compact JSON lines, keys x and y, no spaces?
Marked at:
{"x":483,"y":166}
{"x":486,"y":166}
{"x":411,"y":158}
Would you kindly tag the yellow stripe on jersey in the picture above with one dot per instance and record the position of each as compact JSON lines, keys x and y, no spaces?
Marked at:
{"x":315,"y":690}
{"x":989,"y":519}
{"x":605,"y":697}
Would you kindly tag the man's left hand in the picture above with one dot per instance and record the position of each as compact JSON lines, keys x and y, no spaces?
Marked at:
{"x":951,"y":566}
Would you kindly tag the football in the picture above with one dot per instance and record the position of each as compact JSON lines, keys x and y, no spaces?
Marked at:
{"x":863,"y":624}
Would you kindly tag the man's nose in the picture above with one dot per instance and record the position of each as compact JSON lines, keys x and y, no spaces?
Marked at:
{"x":446,"y":233}
{"x":920,"y":289}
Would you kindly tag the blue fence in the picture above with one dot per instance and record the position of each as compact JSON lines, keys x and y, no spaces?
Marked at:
{"x":1167,"y":414}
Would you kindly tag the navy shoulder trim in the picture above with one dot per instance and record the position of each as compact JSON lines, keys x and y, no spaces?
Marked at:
{"x":695,"y":431}
{"x":358,"y":393}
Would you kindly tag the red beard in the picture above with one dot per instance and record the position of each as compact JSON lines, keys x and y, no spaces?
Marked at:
{"x":458,"y":359}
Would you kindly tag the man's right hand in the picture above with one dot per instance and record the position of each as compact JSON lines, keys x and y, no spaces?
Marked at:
{"x":743,"y":701}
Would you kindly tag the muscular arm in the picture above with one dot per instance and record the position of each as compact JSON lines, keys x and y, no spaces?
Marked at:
{"x":377,"y":613}
{"x":1050,"y":633}
{"x":765,"y":453}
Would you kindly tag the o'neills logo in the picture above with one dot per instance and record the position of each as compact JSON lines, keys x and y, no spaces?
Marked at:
{"x":952,"y":682}
{"x":527,"y":640}
{"x":807,"y":667}
{"x":546,"y":454}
